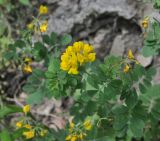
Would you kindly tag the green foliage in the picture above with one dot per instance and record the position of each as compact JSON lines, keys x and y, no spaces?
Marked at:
{"x":24,"y":2}
{"x":152,"y":41}
{"x":122,"y":106}
{"x":5,"y":135}
{"x":6,"y":110}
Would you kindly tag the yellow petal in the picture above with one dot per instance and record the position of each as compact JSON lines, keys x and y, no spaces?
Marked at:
{"x":74,"y":138}
{"x":28,"y":126}
{"x":19,"y":124}
{"x":27,"y":69}
{"x":43,"y":27}
{"x":43,"y":9}
{"x":26,"y":109}
{"x":80,"y":58}
{"x":68,"y":137}
{"x":29,"y":134}
{"x":28,"y":60}
{"x":91,"y":57}
{"x":126,"y":69}
{"x":87,"y":125}
{"x":71,"y":124}
{"x":73,"y":71}
{"x":130,"y":54}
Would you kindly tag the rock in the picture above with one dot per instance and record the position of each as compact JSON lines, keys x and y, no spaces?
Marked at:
{"x":99,"y":37}
{"x":144,"y":61}
{"x":98,"y":22}
{"x":70,"y":13}
{"x":118,"y":46}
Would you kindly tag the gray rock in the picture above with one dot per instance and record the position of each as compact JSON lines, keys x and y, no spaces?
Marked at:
{"x":118,"y":46}
{"x":72,"y":12}
{"x":144,"y":61}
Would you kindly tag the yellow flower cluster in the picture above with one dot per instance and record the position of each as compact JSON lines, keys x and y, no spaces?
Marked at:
{"x":43,"y":9}
{"x":30,"y":26}
{"x":27,"y":65}
{"x":43,"y":133}
{"x":43,"y":27}
{"x":145,"y":23}
{"x":78,"y":132}
{"x":26,"y":109}
{"x":87,"y":125}
{"x":126,"y":68}
{"x":29,"y":134}
{"x":132,"y":58}
{"x":30,"y":131}
{"x":77,"y":55}
{"x":37,"y":25}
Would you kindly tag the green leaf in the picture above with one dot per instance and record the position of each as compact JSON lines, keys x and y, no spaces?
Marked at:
{"x":131,"y":99}
{"x":112,"y":89}
{"x":120,"y":122}
{"x":2,"y":1}
{"x":119,"y":109}
{"x":2,"y":25}
{"x":46,"y":39}
{"x":89,"y":87}
{"x":77,"y":94}
{"x":54,"y":38}
{"x":148,"y":51}
{"x":54,"y":65}
{"x":24,"y":2}
{"x":142,"y":88}
{"x":151,"y":72}
{"x":136,"y":126}
{"x":65,"y":39}
{"x":6,"y":110}
{"x":39,"y":51}
{"x":5,"y":136}
{"x":147,"y":82}
{"x":20,"y":44}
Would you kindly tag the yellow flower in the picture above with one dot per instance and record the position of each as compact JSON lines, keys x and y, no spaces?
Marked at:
{"x":65,"y":66}
{"x":82,"y":135}
{"x":73,"y":71}
{"x":29,"y":134}
{"x":145,"y":23}
{"x":30,"y":26}
{"x":71,"y":124}
{"x":43,"y":9}
{"x":28,"y":126}
{"x":126,"y":68}
{"x":130,"y":54}
{"x":28,"y":60}
{"x":71,"y":138}
{"x":43,"y":27}
{"x":91,"y":57}
{"x":78,"y":46}
{"x":87,"y":49}
{"x":77,"y":55}
{"x":19,"y":124}
{"x":87,"y":125}
{"x":26,"y":109}
{"x":80,"y":58}
{"x":27,"y":69}
{"x":43,"y":133}
{"x":68,"y":137}
{"x":74,"y":138}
